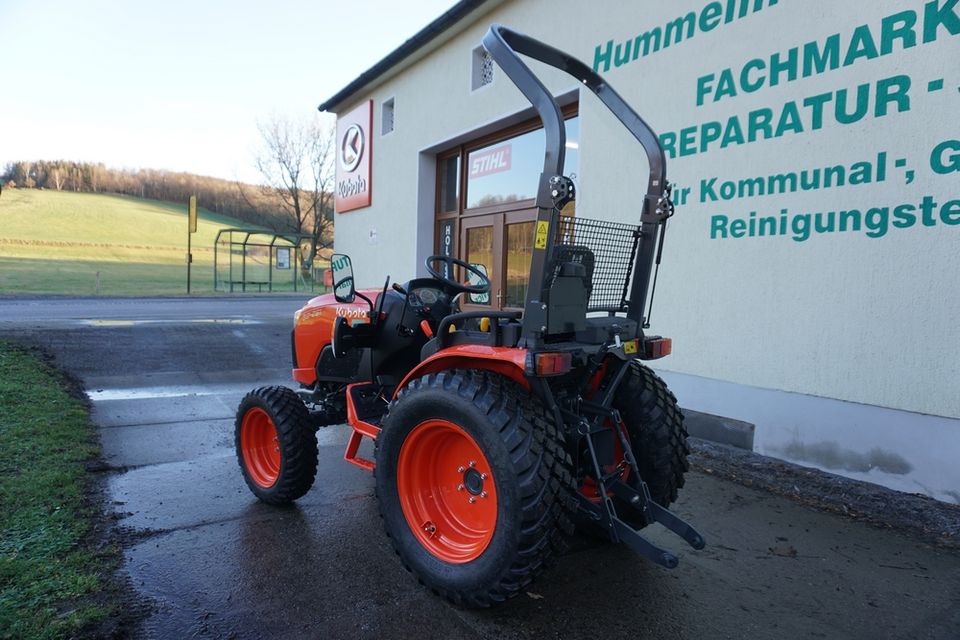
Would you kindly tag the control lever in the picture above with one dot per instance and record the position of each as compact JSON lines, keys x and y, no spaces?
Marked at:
{"x":402,"y":329}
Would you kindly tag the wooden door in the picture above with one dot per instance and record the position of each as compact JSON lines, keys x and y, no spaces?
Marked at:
{"x":503,"y":244}
{"x":481,"y":243}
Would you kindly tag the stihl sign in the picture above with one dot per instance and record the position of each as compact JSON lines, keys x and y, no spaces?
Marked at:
{"x":494,"y":160}
{"x":354,"y":151}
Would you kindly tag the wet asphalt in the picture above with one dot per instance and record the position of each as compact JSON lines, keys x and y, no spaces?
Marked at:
{"x":207,"y":560}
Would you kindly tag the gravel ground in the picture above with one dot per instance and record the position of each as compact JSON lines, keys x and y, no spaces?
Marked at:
{"x":915,"y":514}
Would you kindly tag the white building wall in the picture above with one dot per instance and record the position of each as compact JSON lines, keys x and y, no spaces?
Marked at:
{"x":838,"y":315}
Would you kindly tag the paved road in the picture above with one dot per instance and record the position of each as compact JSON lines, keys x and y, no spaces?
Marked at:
{"x":164,"y":377}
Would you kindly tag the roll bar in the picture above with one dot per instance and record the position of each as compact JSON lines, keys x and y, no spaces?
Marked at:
{"x":504,"y":46}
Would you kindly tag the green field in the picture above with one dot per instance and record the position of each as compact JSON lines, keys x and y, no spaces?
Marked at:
{"x":57,"y":242}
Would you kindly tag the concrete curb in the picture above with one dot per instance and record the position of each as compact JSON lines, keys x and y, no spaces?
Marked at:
{"x":706,"y":426}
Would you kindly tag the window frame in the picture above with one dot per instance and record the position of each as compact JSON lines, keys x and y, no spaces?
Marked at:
{"x":464,"y":150}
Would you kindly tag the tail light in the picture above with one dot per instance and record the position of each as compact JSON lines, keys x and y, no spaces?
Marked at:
{"x":656,"y":347}
{"x":552,"y":364}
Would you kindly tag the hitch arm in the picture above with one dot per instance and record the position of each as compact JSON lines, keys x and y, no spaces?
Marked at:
{"x":638,"y":498}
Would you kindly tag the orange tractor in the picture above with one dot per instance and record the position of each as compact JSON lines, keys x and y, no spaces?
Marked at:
{"x":496,"y":433}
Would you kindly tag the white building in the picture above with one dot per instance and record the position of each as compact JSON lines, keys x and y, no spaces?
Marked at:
{"x":810,"y":276}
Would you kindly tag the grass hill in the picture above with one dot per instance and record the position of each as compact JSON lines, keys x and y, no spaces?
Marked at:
{"x":56,"y":242}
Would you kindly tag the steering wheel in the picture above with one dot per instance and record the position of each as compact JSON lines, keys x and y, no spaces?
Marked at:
{"x":458,"y":287}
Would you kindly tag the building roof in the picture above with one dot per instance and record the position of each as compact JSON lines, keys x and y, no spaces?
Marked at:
{"x":404,"y":51}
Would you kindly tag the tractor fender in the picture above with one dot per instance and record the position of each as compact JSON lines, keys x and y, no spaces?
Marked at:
{"x":507,"y":361}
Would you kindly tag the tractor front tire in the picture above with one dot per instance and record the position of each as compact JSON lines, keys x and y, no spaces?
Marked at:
{"x":474,"y":485}
{"x":658,"y":436}
{"x":276,"y":444}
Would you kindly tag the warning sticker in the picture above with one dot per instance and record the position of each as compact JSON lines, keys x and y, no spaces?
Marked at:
{"x":630,"y":346}
{"x":543,"y":228}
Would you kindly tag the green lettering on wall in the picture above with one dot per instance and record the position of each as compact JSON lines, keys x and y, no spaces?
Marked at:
{"x":946,"y":157}
{"x":818,"y":60}
{"x":899,"y":26}
{"x":862,"y":45}
{"x":790,"y":121}
{"x":936,"y":16}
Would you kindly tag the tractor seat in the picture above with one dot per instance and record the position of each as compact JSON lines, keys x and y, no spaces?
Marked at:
{"x":565,"y":256}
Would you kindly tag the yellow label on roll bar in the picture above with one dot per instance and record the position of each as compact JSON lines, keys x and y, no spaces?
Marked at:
{"x":543,"y":228}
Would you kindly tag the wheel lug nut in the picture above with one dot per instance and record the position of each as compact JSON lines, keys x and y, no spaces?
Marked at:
{"x":483,"y":476}
{"x":460,"y":487}
{"x":461,"y":469}
{"x":472,"y":499}
{"x":483,"y":494}
{"x":473,"y":463}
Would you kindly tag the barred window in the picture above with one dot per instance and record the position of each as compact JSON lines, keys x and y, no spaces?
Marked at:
{"x":386,"y":117}
{"x":482,"y":69}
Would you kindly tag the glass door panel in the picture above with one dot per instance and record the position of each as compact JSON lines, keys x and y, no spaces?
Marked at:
{"x":481,"y":249}
{"x":519,"y":246}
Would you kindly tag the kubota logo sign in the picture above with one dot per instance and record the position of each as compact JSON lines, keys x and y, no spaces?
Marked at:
{"x":354,"y":151}
{"x":351,"y":148}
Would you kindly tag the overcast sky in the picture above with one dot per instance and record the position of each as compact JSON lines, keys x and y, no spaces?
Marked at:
{"x":180,"y":84}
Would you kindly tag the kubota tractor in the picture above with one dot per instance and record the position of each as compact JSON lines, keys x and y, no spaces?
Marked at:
{"x":496,"y":433}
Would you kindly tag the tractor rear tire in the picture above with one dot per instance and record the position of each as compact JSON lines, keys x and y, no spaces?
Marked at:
{"x":474,"y":485}
{"x":658,"y":436}
{"x":276,"y":445}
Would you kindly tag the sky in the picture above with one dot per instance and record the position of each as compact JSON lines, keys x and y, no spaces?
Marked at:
{"x":180,"y":84}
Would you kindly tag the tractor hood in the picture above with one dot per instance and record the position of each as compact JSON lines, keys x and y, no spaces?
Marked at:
{"x":326,"y":305}
{"x":313,"y":328}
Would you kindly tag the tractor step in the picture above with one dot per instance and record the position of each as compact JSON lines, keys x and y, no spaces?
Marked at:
{"x":365,"y":410}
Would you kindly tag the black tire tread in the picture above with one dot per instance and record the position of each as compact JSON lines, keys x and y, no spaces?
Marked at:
{"x":296,"y":438}
{"x":543,"y":471}
{"x":655,"y":424}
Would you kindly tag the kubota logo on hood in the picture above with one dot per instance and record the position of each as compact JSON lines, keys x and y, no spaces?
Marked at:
{"x":351,"y":148}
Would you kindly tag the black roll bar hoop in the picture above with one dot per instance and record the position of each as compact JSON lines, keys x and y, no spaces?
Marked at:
{"x":505,"y":45}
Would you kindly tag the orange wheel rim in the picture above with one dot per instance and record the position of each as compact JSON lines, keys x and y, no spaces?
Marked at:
{"x":260,"y":447}
{"x":447,"y":491}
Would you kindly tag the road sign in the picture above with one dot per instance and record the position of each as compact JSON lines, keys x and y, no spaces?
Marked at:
{"x":193,"y":214}
{"x":191,"y":229}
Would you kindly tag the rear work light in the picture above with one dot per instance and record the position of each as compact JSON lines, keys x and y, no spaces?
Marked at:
{"x":656,"y":347}
{"x":553,"y":364}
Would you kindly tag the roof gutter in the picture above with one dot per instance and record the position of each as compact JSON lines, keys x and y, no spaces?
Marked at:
{"x":408,"y":48}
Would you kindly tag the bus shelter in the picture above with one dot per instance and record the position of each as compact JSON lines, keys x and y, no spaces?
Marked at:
{"x":251,"y":258}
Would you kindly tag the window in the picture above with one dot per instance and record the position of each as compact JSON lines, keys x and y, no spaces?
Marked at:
{"x":482,"y":73}
{"x":480,"y":252}
{"x":508,"y":171}
{"x":449,"y":184}
{"x":519,"y":245}
{"x":485,"y":205}
{"x":386,"y":115}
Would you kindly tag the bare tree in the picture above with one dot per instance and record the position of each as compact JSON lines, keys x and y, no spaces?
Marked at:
{"x":296,"y":161}
{"x":59,"y":178}
{"x":323,"y":163}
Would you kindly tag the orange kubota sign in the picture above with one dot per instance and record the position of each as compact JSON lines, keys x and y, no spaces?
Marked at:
{"x":354,"y":153}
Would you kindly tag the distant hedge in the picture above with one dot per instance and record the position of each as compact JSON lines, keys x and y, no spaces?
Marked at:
{"x":217,"y":195}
